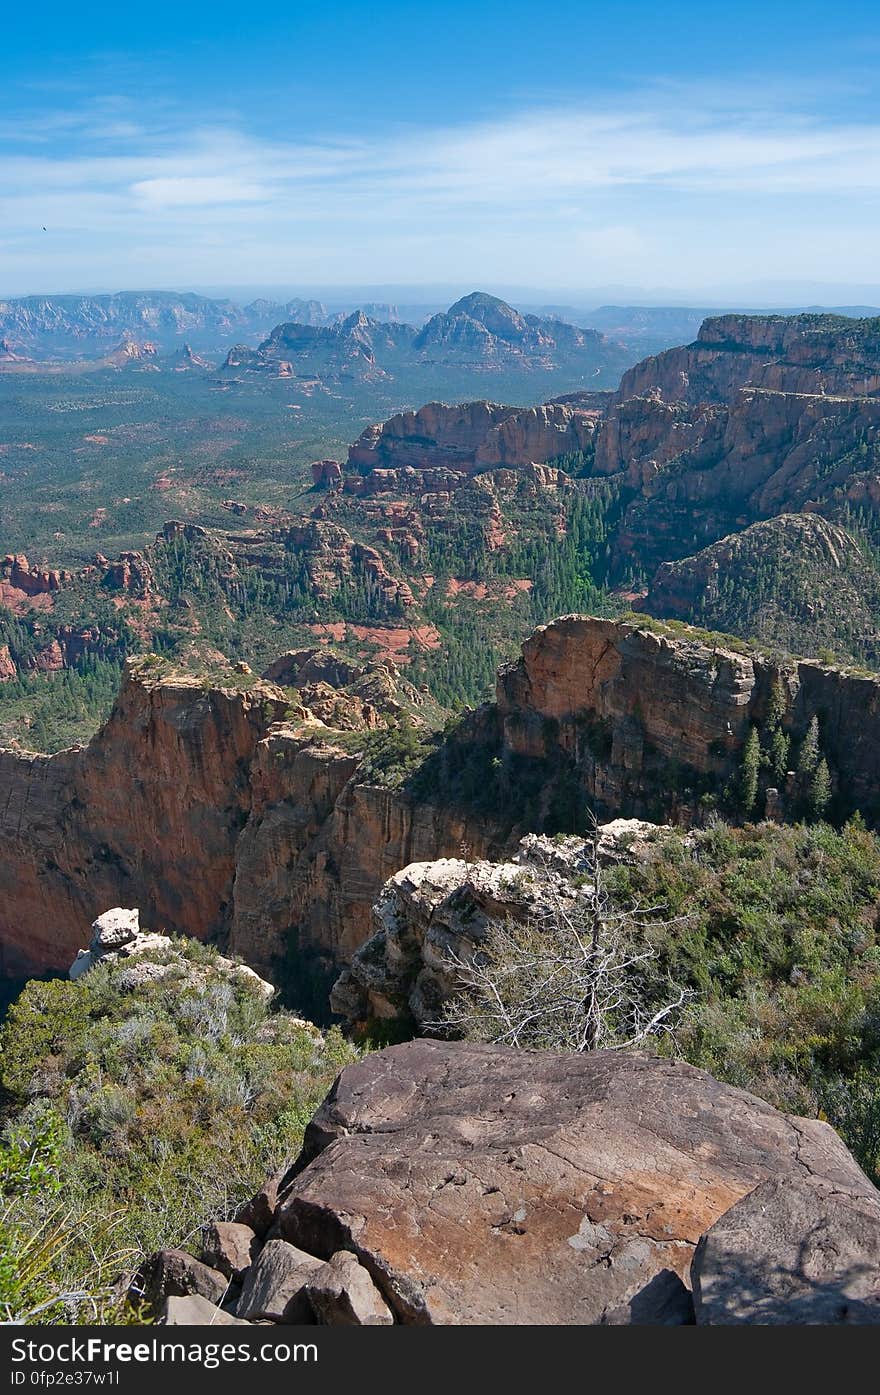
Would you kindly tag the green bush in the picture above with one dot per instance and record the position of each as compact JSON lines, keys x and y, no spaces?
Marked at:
{"x":776,"y":929}
{"x":165,"y":1107}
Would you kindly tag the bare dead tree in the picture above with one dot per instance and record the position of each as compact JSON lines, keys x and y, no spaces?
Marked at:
{"x":573,"y":975}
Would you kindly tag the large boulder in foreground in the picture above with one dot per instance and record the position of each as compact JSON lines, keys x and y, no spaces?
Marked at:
{"x":483,"y":1185}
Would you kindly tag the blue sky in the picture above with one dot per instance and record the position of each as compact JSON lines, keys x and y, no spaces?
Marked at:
{"x":695,"y":149}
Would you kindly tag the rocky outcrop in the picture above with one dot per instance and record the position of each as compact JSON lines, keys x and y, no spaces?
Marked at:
{"x":473,"y":436}
{"x":433,"y":915}
{"x":235,"y":823}
{"x":132,"y":573}
{"x":347,"y":696}
{"x":20,"y":575}
{"x":478,"y":332}
{"x":451,"y":1184}
{"x":116,"y":935}
{"x":328,"y":555}
{"x":326,"y":474}
{"x":186,"y":360}
{"x":241,"y":823}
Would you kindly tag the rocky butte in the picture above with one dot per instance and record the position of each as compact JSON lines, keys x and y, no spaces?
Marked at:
{"x":478,"y":332}
{"x":222,"y":811}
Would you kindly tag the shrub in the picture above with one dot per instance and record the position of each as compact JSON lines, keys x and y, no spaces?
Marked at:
{"x":164,"y":1108}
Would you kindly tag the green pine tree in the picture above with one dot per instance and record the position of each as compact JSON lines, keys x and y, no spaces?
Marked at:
{"x":808,"y":758}
{"x":748,"y":775}
{"x":819,"y":792}
{"x":780,"y":747}
{"x":777,"y":706}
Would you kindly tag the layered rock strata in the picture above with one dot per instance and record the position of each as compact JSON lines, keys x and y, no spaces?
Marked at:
{"x":219,"y":815}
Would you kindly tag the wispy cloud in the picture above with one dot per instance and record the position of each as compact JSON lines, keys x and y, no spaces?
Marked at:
{"x":610,"y":183}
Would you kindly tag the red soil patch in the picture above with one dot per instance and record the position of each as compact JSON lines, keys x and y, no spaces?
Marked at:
{"x":97,"y":440}
{"x":481,"y":590}
{"x":383,"y":643}
{"x":19,"y":602}
{"x":477,"y":590}
{"x":224,"y":476}
{"x":141,"y":614}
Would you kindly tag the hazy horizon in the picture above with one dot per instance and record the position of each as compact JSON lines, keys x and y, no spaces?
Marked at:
{"x":419,"y":295}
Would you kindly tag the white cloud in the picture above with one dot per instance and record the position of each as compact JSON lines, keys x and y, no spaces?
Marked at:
{"x":669,"y":176}
{"x":176,"y":192}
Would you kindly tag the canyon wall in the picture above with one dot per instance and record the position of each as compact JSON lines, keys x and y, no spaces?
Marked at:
{"x":761,"y":415}
{"x":648,"y":718}
{"x":474,"y":436}
{"x":147,"y":815}
{"x":812,"y":354}
{"x":203,"y":806}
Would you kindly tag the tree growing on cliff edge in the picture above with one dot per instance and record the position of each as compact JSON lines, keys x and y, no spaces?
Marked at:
{"x":749,"y":771}
{"x":575,"y":975}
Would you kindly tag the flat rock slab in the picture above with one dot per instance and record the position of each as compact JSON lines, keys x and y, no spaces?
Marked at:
{"x":795,"y":1250}
{"x":229,"y":1247}
{"x":482,"y":1185}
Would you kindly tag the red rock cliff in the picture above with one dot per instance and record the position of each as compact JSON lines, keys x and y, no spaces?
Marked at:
{"x":200,"y":806}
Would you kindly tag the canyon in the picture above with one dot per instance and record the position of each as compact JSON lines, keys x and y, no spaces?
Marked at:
{"x":247,"y":820}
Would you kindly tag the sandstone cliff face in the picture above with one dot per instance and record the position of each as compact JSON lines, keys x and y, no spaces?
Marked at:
{"x":763,"y":449}
{"x":215,"y":816}
{"x":761,"y":415}
{"x":473,"y":436}
{"x":148,"y":815}
{"x":639,"y":716}
{"x":198,"y":805}
{"x":813,"y":354}
{"x":318,"y":847}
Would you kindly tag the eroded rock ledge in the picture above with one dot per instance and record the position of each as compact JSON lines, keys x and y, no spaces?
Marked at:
{"x":431,"y":915}
{"x":225,"y":812}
